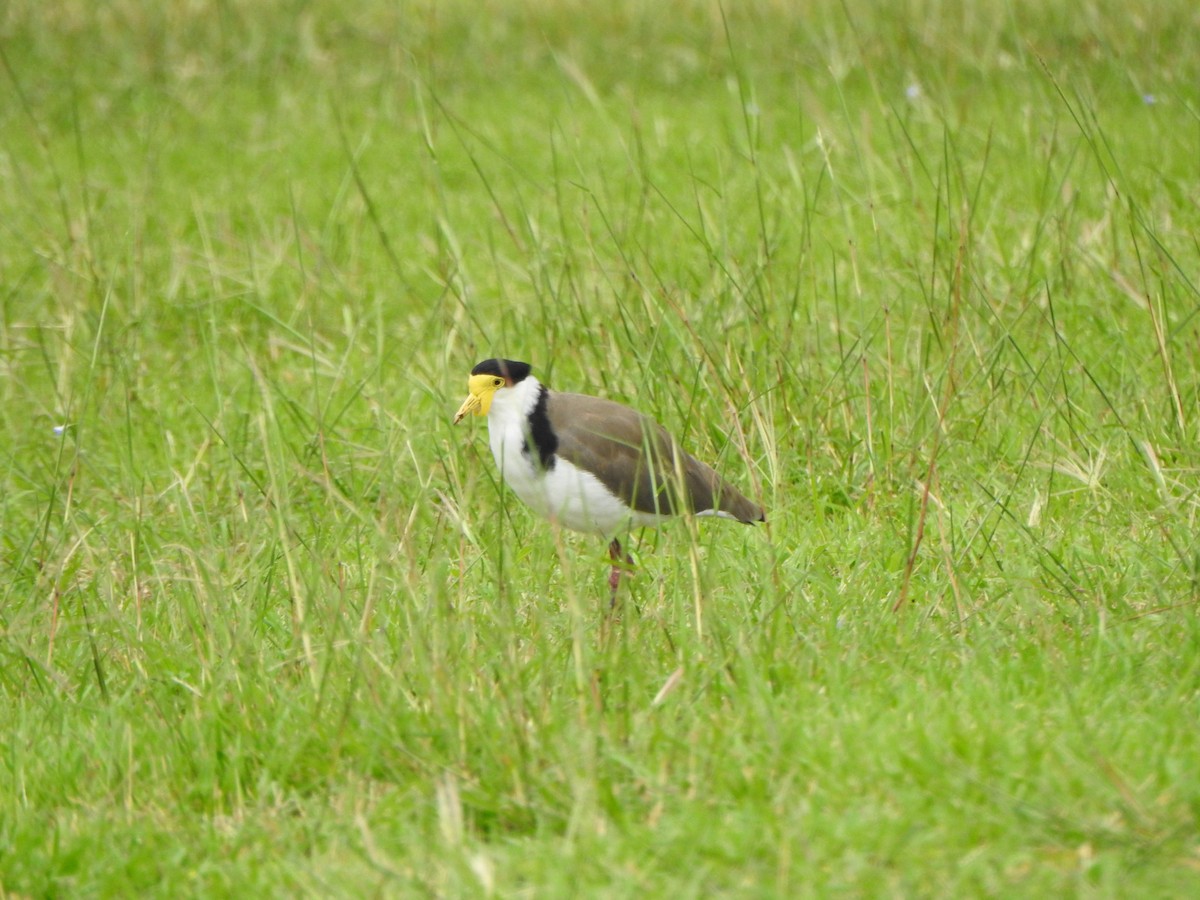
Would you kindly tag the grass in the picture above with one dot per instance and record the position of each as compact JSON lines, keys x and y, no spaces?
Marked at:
{"x":921,"y":278}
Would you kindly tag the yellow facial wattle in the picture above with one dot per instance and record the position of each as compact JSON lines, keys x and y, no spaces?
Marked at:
{"x":479,"y":399}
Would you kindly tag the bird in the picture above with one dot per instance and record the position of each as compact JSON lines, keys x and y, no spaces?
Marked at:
{"x":592,"y":465}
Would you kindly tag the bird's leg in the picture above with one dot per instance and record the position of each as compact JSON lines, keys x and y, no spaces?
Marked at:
{"x":617,"y":555}
{"x":614,"y":578}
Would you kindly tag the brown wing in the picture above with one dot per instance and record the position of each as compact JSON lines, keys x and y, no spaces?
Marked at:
{"x":635,"y":458}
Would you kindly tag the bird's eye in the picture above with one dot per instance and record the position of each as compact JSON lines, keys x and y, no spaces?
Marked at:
{"x":497,"y":381}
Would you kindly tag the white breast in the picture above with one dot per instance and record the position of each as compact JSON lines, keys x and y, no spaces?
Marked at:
{"x":564,"y":493}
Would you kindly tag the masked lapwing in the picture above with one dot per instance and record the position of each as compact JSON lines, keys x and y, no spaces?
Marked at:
{"x":589,"y":464}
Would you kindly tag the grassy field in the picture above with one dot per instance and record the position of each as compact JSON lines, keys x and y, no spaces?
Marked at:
{"x":922,"y":277}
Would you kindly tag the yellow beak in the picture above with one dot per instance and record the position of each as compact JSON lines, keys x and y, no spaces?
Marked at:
{"x":482,"y":388}
{"x":470,"y":405}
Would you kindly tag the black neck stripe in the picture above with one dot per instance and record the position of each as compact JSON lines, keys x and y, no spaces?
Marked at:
{"x":540,"y":432}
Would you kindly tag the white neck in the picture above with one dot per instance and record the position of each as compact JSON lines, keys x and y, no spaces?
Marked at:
{"x":514,"y":404}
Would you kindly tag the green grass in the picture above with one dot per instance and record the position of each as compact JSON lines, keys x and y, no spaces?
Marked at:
{"x":924,"y":279}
